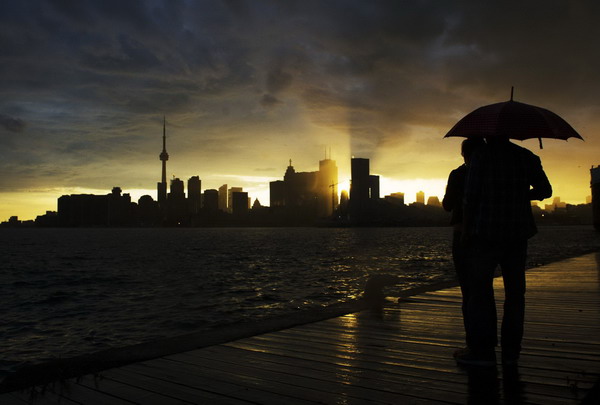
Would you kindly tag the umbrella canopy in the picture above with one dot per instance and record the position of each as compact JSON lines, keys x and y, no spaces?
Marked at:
{"x":513,"y":120}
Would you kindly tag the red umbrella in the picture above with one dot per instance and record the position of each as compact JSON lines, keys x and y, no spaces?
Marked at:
{"x":513,"y":120}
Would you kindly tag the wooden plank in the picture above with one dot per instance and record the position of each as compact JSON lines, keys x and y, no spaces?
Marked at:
{"x":86,"y":395}
{"x":574,"y":375}
{"x":39,"y":396}
{"x":579,"y":333}
{"x":127,"y":392}
{"x":180,"y":392}
{"x":402,"y":361}
{"x":443,"y":388}
{"x":392,"y":368}
{"x":309,"y":388}
{"x":571,"y":349}
{"x":242,"y":388}
{"x":367,"y":380}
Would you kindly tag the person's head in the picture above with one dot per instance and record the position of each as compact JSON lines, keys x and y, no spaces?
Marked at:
{"x":469,"y":145}
{"x":497,"y":140}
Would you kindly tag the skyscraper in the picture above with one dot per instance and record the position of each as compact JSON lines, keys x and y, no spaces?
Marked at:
{"x":359,"y":189}
{"x":194,"y":194}
{"x":223,"y":198}
{"x":327,"y":190}
{"x":239,"y":202}
{"x":211,"y":200}
{"x":164,"y":156}
{"x":364,"y":192}
{"x":177,"y":207}
{"x":373,"y":187}
{"x":230,"y":197}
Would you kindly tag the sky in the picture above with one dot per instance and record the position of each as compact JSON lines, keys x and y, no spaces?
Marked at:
{"x":247,"y":85}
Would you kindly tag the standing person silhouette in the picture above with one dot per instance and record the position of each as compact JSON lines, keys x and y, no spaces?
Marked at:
{"x":453,"y":202}
{"x":501,"y":181}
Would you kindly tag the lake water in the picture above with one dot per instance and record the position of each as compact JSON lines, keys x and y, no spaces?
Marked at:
{"x":66,"y":292}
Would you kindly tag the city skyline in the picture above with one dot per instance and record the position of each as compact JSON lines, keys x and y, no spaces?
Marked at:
{"x":245,"y":86}
{"x":163,"y":188}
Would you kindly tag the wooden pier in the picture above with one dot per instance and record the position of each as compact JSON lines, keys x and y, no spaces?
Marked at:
{"x":400,"y":355}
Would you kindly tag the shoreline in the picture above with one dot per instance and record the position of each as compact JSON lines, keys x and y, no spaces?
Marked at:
{"x":58,"y":370}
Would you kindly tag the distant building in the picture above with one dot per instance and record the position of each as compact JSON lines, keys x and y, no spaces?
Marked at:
{"x":277,"y":193}
{"x":395,"y":198}
{"x":327,"y":190}
{"x":239,"y":203}
{"x":230,"y":197}
{"x":420,"y":198}
{"x":344,"y":199}
{"x":177,"y":212}
{"x":556,"y":205}
{"x":50,"y":219}
{"x":307,"y":195}
{"x":300,"y":188}
{"x":211,"y":200}
{"x":148,"y":211}
{"x":89,"y":210}
{"x":359,"y":187}
{"x":374,"y":187}
{"x":194,"y":194}
{"x":434,"y":201}
{"x":364,"y":191}
{"x":559,"y":204}
{"x":223,"y":198}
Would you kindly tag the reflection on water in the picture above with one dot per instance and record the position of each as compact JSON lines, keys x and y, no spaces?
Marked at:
{"x":72,"y":291}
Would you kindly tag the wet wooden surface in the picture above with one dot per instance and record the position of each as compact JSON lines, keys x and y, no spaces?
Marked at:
{"x":400,"y":355}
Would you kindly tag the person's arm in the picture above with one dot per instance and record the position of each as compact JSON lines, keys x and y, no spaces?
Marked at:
{"x":540,"y":185}
{"x":472,"y":192}
{"x":450,"y":198}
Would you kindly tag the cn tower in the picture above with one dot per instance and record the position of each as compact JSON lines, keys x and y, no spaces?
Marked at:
{"x":164,"y":156}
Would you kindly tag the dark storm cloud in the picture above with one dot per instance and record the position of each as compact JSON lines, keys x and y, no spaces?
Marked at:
{"x":12,"y":124}
{"x":268,"y":100}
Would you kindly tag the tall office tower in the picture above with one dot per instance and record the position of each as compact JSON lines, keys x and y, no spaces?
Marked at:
{"x":374,"y":187}
{"x":420,"y":198}
{"x":164,"y":156}
{"x":223,"y":198}
{"x":277,"y":193}
{"x":359,"y":189}
{"x":194,"y":194}
{"x":327,"y":190}
{"x":211,"y":200}
{"x":177,"y":211}
{"x":359,"y":186}
{"x":230,"y":197}
{"x":239,"y":202}
{"x":177,"y":189}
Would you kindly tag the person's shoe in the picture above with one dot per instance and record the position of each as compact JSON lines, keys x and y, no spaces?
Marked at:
{"x":468,"y":357}
{"x":461,"y":352}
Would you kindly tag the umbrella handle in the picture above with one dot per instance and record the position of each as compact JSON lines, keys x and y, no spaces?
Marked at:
{"x":541,"y":146}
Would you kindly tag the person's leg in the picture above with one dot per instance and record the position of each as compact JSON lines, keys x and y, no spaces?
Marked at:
{"x":460,"y":265}
{"x":482,"y":334}
{"x":513,"y":273}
